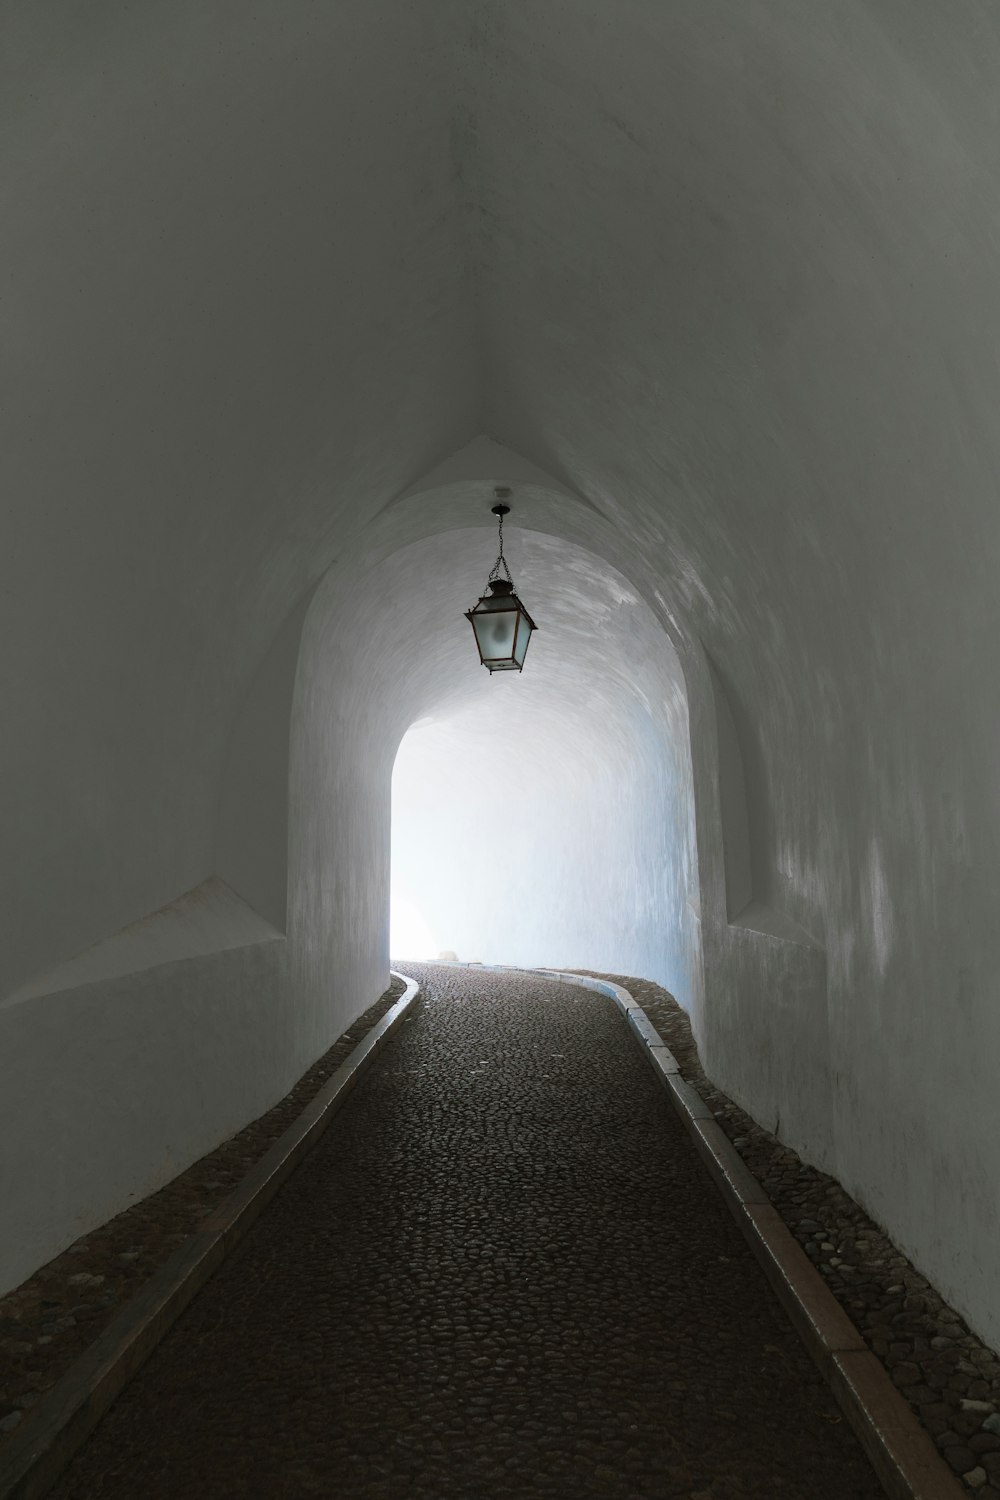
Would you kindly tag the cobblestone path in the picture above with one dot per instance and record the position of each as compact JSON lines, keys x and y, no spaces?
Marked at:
{"x":502,"y":1273}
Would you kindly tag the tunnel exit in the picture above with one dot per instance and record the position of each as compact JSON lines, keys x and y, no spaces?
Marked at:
{"x":545,"y":817}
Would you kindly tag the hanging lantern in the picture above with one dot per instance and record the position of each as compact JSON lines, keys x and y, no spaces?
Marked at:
{"x":501,"y":624}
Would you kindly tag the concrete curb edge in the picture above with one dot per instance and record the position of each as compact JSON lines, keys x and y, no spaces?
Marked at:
{"x":66,"y":1415}
{"x":900,"y":1450}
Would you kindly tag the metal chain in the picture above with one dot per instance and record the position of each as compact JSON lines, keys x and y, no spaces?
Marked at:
{"x":501,"y":560}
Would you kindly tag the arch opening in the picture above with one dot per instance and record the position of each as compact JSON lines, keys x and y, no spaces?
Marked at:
{"x":542,"y":817}
{"x":550,"y":822}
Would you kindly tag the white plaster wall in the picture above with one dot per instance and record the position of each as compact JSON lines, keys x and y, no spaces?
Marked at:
{"x":211,"y":300}
{"x":755,"y":324}
{"x":123,"y":1067}
{"x":726,"y":273}
{"x":232,"y":245}
{"x":251,"y":844}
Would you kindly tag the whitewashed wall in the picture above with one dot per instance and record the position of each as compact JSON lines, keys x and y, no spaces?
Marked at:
{"x":726,"y":275}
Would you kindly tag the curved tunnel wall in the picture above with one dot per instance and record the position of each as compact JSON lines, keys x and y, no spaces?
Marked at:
{"x":727,"y":275}
{"x":125,"y":1110}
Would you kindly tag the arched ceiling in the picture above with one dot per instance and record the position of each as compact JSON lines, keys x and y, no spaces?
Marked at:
{"x":726,"y":270}
{"x":721,"y":266}
{"x":737,"y":273}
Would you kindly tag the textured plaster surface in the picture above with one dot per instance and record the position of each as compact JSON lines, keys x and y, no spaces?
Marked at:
{"x":112,"y":1088}
{"x":721,"y":280}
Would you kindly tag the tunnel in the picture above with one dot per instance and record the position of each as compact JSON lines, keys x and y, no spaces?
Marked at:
{"x":711,"y":289}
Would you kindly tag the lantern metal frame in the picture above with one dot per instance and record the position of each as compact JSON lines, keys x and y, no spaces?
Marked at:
{"x":501,"y":599}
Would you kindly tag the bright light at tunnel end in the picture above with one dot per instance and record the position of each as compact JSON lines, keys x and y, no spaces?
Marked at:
{"x":409,"y":934}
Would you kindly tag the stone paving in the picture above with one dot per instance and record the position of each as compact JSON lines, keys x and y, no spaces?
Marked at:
{"x":504,"y":1273}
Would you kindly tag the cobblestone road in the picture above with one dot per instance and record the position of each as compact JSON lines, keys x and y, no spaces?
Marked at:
{"x":502,"y":1273}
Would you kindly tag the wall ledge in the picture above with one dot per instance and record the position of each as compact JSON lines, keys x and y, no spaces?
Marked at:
{"x":210,"y":918}
{"x":771,"y":923}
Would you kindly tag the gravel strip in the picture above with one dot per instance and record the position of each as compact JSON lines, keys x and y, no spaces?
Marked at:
{"x":950,"y":1378}
{"x":49,"y":1320}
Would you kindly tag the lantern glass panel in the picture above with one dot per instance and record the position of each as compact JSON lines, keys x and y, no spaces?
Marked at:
{"x":523,"y":637}
{"x":495,"y":632}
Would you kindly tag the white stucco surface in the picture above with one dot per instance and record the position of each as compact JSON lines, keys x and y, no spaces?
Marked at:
{"x":112,"y":1087}
{"x":209,"y":919}
{"x":713,"y":286}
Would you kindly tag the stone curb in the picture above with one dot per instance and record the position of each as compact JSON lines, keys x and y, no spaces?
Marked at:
{"x":901,"y":1452}
{"x":64,"y":1418}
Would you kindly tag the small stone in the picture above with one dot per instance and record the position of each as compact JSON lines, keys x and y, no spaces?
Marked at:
{"x":992,"y":1424}
{"x":975,"y":1478}
{"x":960,"y":1459}
{"x":983,"y":1408}
{"x":10,"y":1421}
{"x":936,"y":1418}
{"x":921,"y":1395}
{"x":905,"y":1374}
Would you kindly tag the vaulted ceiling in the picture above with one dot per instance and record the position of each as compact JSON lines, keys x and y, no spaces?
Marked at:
{"x":724,"y":270}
